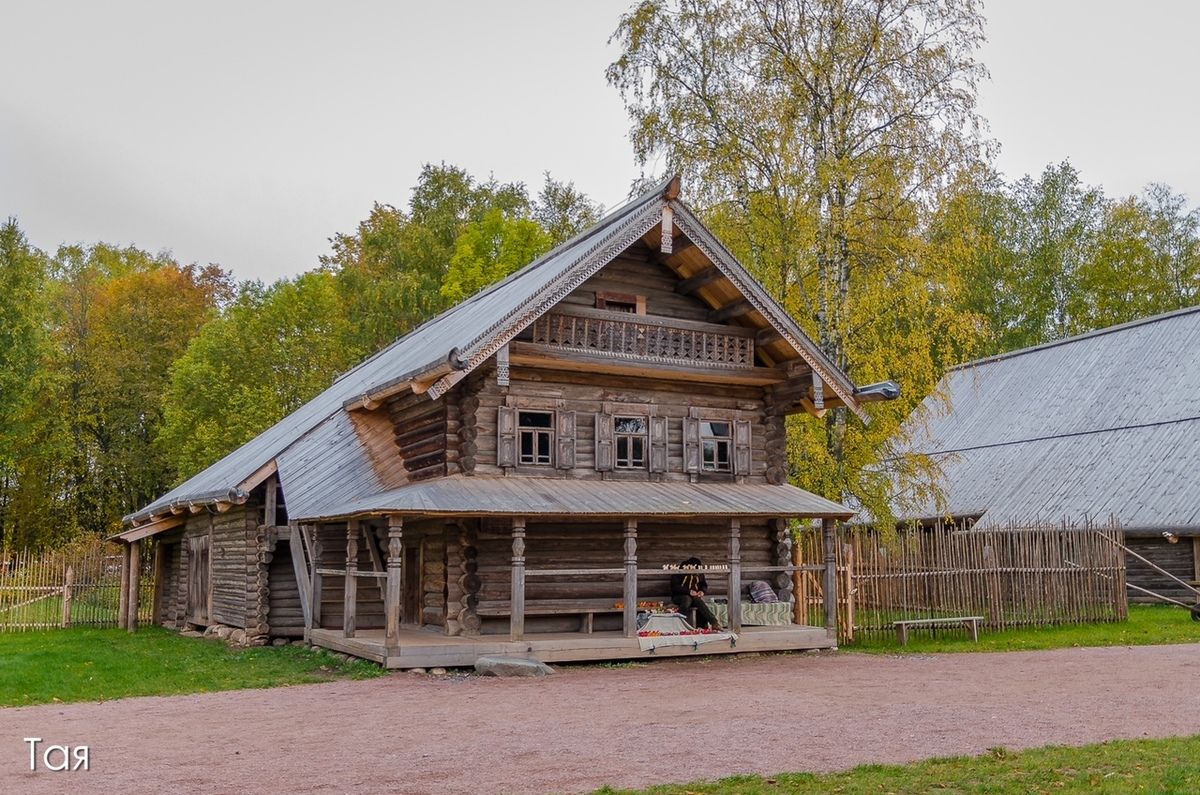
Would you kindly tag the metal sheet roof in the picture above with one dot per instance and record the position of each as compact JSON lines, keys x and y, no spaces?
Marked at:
{"x":500,"y":496}
{"x":1102,"y":425}
{"x":459,"y":327}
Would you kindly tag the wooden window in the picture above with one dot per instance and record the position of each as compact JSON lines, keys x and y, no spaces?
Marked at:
{"x":631,"y":436}
{"x":716,"y":446}
{"x":621,"y":302}
{"x":535,"y":432}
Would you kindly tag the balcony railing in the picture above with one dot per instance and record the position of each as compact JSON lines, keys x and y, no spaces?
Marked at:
{"x":643,"y":338}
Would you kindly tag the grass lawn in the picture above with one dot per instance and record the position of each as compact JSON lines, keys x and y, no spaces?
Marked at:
{"x":1155,"y":766}
{"x":1147,"y":625}
{"x":99,"y":664}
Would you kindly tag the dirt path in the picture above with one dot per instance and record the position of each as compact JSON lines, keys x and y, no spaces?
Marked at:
{"x":586,"y":727}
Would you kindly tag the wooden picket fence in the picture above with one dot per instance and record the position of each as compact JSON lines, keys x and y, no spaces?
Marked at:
{"x":75,"y":586}
{"x":1016,"y":576}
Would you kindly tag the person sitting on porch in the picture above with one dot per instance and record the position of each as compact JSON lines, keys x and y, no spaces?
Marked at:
{"x":687,"y":591}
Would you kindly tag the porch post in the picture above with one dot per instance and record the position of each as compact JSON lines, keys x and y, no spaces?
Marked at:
{"x":315,"y":576}
{"x":829,"y":589}
{"x":350,"y":606}
{"x":735,"y":575}
{"x":123,"y":607}
{"x":395,"y":574}
{"x":517,"y":612}
{"x":631,"y":589}
{"x":135,"y":566}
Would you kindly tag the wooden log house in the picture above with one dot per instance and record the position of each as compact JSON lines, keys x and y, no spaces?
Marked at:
{"x":512,"y":476}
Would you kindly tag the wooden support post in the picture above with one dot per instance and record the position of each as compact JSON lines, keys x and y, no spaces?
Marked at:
{"x":350,"y":606}
{"x":314,"y":553}
{"x":303,"y":587}
{"x":395,"y":581}
{"x":67,"y":596}
{"x":631,"y":589}
{"x":517,"y":615}
{"x":160,"y":564}
{"x":799,"y":589}
{"x":123,"y":607}
{"x":735,"y":575}
{"x":135,"y":571}
{"x":270,"y":512}
{"x":829,"y":588}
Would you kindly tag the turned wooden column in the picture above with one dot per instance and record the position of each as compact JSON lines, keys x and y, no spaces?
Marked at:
{"x":350,"y":607}
{"x":631,"y":589}
{"x":395,"y":580}
{"x":735,"y":575}
{"x":829,"y":538}
{"x":517,"y":612}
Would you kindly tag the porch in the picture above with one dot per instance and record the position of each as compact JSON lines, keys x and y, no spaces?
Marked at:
{"x":426,"y":648}
{"x":548,"y":589}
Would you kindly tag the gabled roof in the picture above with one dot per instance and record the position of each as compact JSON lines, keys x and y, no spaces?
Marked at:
{"x":1106,"y":424}
{"x":316,"y":443}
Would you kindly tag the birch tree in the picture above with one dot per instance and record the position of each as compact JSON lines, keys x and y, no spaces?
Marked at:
{"x":816,"y":135}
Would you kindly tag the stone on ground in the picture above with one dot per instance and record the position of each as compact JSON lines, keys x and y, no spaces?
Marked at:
{"x":511,"y":666}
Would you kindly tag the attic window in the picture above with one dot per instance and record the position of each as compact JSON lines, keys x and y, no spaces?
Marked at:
{"x":621,"y":302}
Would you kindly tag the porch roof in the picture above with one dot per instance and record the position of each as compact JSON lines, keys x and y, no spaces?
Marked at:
{"x":496,"y":496}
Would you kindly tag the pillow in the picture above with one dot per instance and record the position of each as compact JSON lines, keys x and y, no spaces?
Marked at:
{"x":762,"y":593}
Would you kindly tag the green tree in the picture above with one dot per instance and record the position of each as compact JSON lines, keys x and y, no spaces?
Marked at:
{"x":816,"y":136}
{"x":564,"y":211}
{"x":489,"y":249}
{"x":24,"y":349}
{"x":272,"y":350}
{"x":390,"y":271}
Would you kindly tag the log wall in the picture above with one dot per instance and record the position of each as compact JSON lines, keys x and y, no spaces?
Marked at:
{"x":370,"y":613}
{"x":589,"y":395}
{"x":599,"y":545}
{"x":656,"y":283}
{"x":171,"y":586}
{"x":426,"y":433}
{"x":1178,"y":558}
{"x":433,"y":580}
{"x":285,"y":615}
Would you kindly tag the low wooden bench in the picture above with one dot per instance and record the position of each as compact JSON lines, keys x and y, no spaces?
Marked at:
{"x":970,"y":622}
{"x":585,"y":608}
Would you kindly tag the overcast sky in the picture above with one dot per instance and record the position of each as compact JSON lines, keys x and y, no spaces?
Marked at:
{"x":248,"y":133}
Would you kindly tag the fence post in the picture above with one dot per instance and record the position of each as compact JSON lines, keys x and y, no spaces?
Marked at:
{"x":68,"y":580}
{"x":134,"y":584}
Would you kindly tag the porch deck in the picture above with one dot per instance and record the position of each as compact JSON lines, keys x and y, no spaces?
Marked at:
{"x":421,"y":648}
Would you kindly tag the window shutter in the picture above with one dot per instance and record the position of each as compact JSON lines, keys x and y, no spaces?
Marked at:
{"x":741,"y":447}
{"x":658,"y":444}
{"x":506,"y":436}
{"x":691,"y":444}
{"x":566,"y":440}
{"x":604,"y":442}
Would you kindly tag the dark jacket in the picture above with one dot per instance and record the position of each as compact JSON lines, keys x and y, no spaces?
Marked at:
{"x":685,"y":582}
